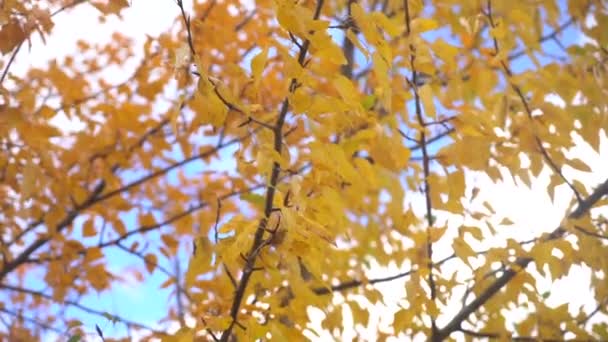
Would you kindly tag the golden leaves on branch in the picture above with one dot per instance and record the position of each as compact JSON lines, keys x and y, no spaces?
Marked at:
{"x":261,"y":141}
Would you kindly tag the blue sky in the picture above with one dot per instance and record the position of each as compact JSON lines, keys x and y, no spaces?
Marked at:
{"x":146,"y":302}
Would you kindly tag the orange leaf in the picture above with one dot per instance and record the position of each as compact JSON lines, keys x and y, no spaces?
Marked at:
{"x":88,"y":228}
{"x":151,"y":262}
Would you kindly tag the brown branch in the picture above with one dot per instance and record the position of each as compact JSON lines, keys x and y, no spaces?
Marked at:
{"x":586,"y":232}
{"x":10,"y":62}
{"x":25,"y":254}
{"x":144,"y":229}
{"x":478,"y":334}
{"x":356,"y":283}
{"x":32,"y":320}
{"x":186,"y":19}
{"x":157,"y":265}
{"x":97,"y":198}
{"x":258,"y":241}
{"x":67,"y":6}
{"x":350,"y":284}
{"x":177,"y":217}
{"x":521,"y":263}
{"x":429,"y":140}
{"x":348,"y":48}
{"x":549,"y":36}
{"x":425,"y":165}
{"x":179,"y":290}
{"x":598,"y":308}
{"x":217,"y":219}
{"x":347,"y":285}
{"x":245,"y":20}
{"x":138,"y":144}
{"x":141,"y":256}
{"x":187,"y":23}
{"x":165,"y":170}
{"x":79,"y":306}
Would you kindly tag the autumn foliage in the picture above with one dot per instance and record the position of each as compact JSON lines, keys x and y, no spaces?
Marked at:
{"x":286,"y":148}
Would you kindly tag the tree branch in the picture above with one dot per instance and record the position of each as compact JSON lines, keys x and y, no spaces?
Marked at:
{"x":258,"y":241}
{"x":25,"y":254}
{"x":425,"y":165}
{"x":521,"y":263}
{"x":80,"y":307}
{"x":32,"y":320}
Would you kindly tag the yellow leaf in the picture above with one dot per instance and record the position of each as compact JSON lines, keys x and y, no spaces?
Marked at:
{"x":295,"y":18}
{"x":200,"y":261}
{"x":332,"y":53}
{"x":357,"y":43}
{"x":360,"y":315}
{"x":319,"y":230}
{"x":11,"y":35}
{"x":94,"y":254}
{"x":208,"y":107}
{"x":390,"y":153}
{"x":420,"y":25}
{"x":426,"y":95}
{"x":402,"y":319}
{"x":147,"y":220}
{"x":30,"y":175}
{"x":173,"y":117}
{"x":367,"y":27}
{"x":499,"y":31}
{"x":506,"y":222}
{"x":184,"y":334}
{"x":335,"y":158}
{"x":110,"y":6}
{"x":170,"y":241}
{"x":182,"y":56}
{"x":119,"y":227}
{"x":257,"y":66}
{"x":151,"y":261}
{"x":437,"y":233}
{"x":88,"y":228}
{"x":445,"y":51}
{"x":463,"y":250}
{"x":389,"y":25}
{"x":382,"y":71}
{"x":579,"y":165}
{"x":347,"y":90}
{"x":167,"y":283}
{"x":474,"y":231}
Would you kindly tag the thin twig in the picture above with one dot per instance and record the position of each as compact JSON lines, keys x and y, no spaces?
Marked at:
{"x":32,"y":320}
{"x":217,"y":220}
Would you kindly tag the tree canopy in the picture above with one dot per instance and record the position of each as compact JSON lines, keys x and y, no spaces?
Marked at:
{"x":286,"y":148}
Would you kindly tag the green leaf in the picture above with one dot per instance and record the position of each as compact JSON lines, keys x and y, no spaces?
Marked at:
{"x":368,"y":101}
